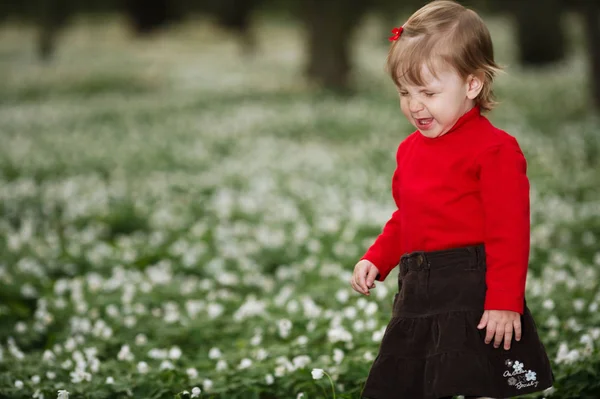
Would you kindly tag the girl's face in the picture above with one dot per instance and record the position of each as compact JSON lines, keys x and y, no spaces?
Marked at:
{"x":435,"y":107}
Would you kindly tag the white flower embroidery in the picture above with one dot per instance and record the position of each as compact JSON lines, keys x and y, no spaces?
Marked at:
{"x":531,"y":375}
{"x":518,"y":366}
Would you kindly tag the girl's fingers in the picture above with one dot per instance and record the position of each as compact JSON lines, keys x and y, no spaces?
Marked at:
{"x":483,"y":321}
{"x":498,"y":336}
{"x":508,"y":334}
{"x":491,"y":330}
{"x":517,"y":325}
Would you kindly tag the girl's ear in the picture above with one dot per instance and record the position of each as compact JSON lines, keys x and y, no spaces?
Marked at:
{"x":474,"y":85}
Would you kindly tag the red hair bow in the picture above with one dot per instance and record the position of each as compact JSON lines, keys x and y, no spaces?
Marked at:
{"x":397,"y":32}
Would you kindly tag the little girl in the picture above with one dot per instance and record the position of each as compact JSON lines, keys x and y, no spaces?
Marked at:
{"x":461,"y":229}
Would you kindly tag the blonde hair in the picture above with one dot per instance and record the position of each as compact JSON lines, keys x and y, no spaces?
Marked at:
{"x":445,"y":31}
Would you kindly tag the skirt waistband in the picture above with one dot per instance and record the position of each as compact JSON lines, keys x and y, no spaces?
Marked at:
{"x":423,"y":260}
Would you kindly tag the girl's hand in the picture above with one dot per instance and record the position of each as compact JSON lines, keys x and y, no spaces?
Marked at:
{"x":500,"y":324}
{"x":364,"y":276}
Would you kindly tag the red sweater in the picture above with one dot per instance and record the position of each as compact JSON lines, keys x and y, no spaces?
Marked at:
{"x":466,"y":187}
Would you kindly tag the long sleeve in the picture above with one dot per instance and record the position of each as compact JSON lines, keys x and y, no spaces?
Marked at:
{"x":385,"y":252}
{"x":505,"y":198}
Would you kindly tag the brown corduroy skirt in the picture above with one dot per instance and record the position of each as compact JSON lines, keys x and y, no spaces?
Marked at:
{"x":432,"y":348}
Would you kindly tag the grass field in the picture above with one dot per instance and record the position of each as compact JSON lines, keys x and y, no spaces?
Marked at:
{"x":174,"y":215}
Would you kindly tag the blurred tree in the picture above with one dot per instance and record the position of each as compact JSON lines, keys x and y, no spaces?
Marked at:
{"x":330,"y":25}
{"x":540,"y":33}
{"x":52,"y":15}
{"x":591,"y":11}
{"x":235,"y":15}
{"x":148,"y":15}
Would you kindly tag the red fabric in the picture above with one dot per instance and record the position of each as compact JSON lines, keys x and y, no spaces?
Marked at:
{"x":466,"y":187}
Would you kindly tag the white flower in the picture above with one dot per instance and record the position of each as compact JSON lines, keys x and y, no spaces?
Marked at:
{"x":548,"y":304}
{"x":371,"y":309}
{"x":518,"y":366}
{"x":63,"y":394}
{"x":338,"y":355}
{"x":192,"y":372}
{"x":214,"y":353}
{"x":18,"y":384}
{"x":141,"y":339}
{"x":302,"y":340}
{"x":142,"y":367}
{"x":285,"y":326}
{"x":51,"y":375}
{"x":300,"y":395}
{"x":38,"y":395}
{"x":256,"y":340}
{"x":530,"y":376}
{"x":110,"y":380}
{"x":35,"y":379}
{"x":245,"y":363}
{"x":368,"y":356}
{"x":269,"y":379}
{"x":342,"y":296}
{"x":175,"y":353}
{"x":125,"y":353}
{"x":196,"y":392}
{"x":80,"y":375}
{"x":208,"y":384}
{"x":48,"y":356}
{"x":279,"y":371}
{"x":300,"y":361}
{"x":317,"y":374}
{"x":261,"y":354}
{"x":221,"y":365}
{"x":166,"y":365}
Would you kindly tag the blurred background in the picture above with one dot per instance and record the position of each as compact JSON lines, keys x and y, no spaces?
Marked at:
{"x":186,"y":186}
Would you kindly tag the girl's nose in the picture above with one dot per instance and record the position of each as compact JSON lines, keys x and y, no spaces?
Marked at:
{"x":414,"y":105}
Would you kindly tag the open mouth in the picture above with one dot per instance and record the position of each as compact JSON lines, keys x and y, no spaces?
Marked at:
{"x":424,"y":123}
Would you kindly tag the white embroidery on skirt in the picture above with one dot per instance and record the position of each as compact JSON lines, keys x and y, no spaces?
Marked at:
{"x":518,"y":377}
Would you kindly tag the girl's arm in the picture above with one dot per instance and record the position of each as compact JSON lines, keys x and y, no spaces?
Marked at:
{"x":385,"y":252}
{"x":505,"y":198}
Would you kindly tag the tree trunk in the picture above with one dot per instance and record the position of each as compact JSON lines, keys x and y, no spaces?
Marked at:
{"x":147,"y":16}
{"x":540,"y":33}
{"x":52,"y":16}
{"x":330,"y":26}
{"x":592,"y":28}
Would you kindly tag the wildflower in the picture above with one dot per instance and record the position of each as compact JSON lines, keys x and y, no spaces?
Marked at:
{"x":245,"y":363}
{"x":110,"y":380}
{"x":196,"y":392}
{"x":317,"y":374}
{"x":221,"y":365}
{"x":142,"y":367}
{"x":18,"y":384}
{"x":269,"y":379}
{"x":214,"y":353}
{"x":63,"y":394}
{"x":166,"y":365}
{"x":192,"y":372}
{"x":174,"y":353}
